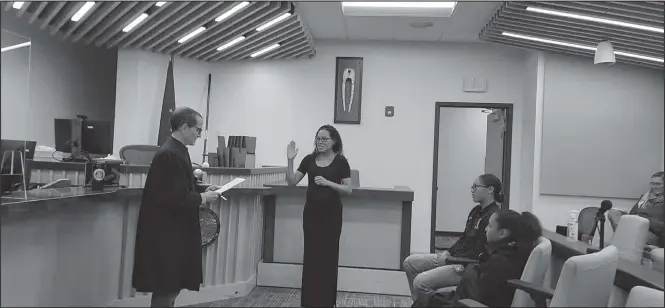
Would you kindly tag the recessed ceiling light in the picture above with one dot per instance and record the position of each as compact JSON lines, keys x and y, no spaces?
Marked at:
{"x":232,"y":11}
{"x":160,"y":3}
{"x":421,"y":24}
{"x":595,"y":19}
{"x":273,"y":22}
{"x":578,"y":46}
{"x":264,"y":50}
{"x":17,"y":46}
{"x":82,"y":11}
{"x":191,"y":35}
{"x":231,"y":43}
{"x":134,"y":23}
{"x":414,"y":9}
{"x":17,"y":5}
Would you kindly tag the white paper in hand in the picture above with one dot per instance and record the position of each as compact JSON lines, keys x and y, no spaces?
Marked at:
{"x":229,"y":185}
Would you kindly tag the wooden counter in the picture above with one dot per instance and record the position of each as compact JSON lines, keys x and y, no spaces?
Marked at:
{"x":133,"y":176}
{"x":375,"y":239}
{"x":75,"y":247}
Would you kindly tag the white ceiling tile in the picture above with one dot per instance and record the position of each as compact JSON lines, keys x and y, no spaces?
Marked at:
{"x":324,"y":19}
{"x":403,"y":31}
{"x":370,"y":28}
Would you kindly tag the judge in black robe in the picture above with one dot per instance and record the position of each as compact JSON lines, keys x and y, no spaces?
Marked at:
{"x":168,"y":251}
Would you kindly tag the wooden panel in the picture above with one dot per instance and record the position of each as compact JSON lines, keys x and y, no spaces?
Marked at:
{"x":45,"y":176}
{"x":231,"y":259}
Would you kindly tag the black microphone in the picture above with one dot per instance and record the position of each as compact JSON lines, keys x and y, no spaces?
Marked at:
{"x":605,"y":206}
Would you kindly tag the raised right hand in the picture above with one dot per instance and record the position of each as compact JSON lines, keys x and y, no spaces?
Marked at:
{"x":291,"y":150}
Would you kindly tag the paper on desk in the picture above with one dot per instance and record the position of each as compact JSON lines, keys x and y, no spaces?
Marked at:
{"x":229,"y":185}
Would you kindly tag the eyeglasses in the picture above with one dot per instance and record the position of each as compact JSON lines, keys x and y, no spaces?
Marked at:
{"x":474,"y":186}
{"x":198,"y":129}
{"x":656,"y":183}
{"x":321,"y":139}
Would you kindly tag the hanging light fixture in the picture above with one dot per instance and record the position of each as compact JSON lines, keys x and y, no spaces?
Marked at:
{"x":604,"y":53}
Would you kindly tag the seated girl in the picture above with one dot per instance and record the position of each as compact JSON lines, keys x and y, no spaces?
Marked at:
{"x":510,"y":239}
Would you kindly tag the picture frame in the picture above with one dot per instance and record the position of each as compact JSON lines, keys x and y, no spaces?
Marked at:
{"x":348,"y":90}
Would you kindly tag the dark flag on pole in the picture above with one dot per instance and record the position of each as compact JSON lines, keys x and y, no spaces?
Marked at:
{"x":168,"y":105}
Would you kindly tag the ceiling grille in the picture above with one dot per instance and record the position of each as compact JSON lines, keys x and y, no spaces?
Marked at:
{"x":514,"y":18}
{"x":168,"y":22}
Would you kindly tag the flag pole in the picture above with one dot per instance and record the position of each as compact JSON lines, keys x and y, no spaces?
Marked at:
{"x":205,"y":140}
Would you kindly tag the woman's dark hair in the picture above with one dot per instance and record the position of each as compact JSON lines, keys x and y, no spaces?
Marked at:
{"x":183,"y":115}
{"x":659,"y":174}
{"x":490,"y":180}
{"x":525,"y":229}
{"x":338,"y":147}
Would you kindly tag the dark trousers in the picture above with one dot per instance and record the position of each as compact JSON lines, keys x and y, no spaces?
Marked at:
{"x":322,"y":227}
{"x":163,"y":299}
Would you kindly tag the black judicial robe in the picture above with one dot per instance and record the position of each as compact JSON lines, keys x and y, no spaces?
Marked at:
{"x":167,"y":255}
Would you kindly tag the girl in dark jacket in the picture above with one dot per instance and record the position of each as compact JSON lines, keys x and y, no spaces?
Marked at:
{"x":510,"y":239}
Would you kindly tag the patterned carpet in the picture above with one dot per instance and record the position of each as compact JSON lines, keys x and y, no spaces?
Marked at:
{"x":282,"y":297}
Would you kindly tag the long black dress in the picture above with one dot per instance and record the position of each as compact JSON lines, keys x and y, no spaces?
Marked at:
{"x":322,"y":226}
{"x":167,"y":256}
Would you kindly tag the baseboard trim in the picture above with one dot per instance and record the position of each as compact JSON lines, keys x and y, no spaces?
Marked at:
{"x":358,"y":280}
{"x":186,"y":298}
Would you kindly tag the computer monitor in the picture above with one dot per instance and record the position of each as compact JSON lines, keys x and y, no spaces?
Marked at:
{"x":66,"y":131}
{"x":97,"y":137}
{"x":10,"y":178}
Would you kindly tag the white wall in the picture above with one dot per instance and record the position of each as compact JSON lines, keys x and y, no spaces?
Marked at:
{"x":599,"y":128}
{"x":140,"y":89}
{"x":66,"y":79}
{"x":554,"y":209}
{"x":279,"y":101}
{"x":462,"y":148}
{"x":288,"y":100}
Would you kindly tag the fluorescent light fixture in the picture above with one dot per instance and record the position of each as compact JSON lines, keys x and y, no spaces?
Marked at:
{"x":429,"y":5}
{"x":411,"y":9}
{"x":572,"y":45}
{"x":232,"y":11}
{"x":273,"y":22}
{"x":82,"y":11}
{"x":264,"y":50}
{"x":134,"y":23}
{"x":595,"y":19}
{"x":191,"y":35}
{"x":17,"y":46}
{"x":17,"y":5}
{"x":231,"y":43}
{"x":160,"y":3}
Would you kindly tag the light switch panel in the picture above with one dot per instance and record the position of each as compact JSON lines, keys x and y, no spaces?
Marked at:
{"x":390,"y":111}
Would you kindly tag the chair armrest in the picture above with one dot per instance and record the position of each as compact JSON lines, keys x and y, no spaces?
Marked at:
{"x":538,"y":294}
{"x":470,"y":303}
{"x":460,"y":260}
{"x":592,"y":250}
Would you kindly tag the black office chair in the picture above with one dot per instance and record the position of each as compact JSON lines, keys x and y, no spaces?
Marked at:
{"x":138,"y":154}
{"x":585,"y":221}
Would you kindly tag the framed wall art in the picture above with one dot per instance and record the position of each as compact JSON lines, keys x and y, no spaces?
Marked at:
{"x":348,"y":90}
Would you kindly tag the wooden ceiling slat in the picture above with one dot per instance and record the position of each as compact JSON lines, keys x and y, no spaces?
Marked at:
{"x":165,"y":25}
{"x":513,"y":17}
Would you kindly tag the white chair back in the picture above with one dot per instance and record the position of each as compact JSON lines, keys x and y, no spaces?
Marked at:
{"x":534,"y":271}
{"x":587,"y":280}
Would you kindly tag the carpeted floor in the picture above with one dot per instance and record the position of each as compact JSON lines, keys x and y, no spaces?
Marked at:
{"x":282,"y":297}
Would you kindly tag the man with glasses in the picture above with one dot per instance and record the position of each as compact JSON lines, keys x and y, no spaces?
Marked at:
{"x":167,"y":256}
{"x":650,"y":206}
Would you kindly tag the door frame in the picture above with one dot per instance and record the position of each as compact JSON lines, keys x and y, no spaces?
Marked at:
{"x":507,"y":150}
